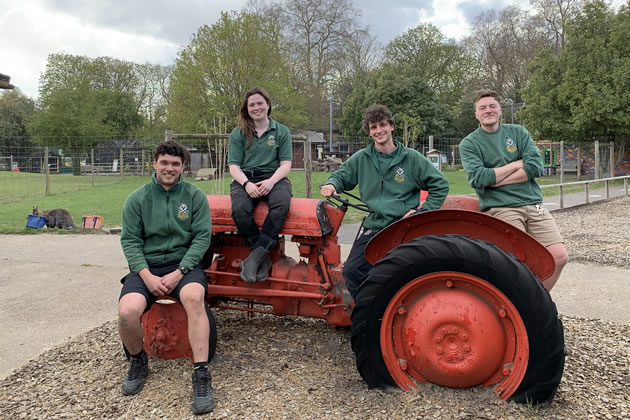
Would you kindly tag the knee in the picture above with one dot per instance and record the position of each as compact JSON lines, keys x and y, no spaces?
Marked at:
{"x":130,"y":310}
{"x":241,"y":212}
{"x":280,"y":202}
{"x":192,"y":296}
{"x":560,"y":255}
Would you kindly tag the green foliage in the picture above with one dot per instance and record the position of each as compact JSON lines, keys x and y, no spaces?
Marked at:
{"x":83,"y":98}
{"x":220,"y":64}
{"x":15,"y":108}
{"x":583,"y":94}
{"x":407,"y":95}
{"x":441,"y":63}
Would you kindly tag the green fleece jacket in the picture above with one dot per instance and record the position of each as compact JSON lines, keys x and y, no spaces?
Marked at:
{"x":165,"y":226}
{"x":395,"y":190}
{"x":481,"y":152}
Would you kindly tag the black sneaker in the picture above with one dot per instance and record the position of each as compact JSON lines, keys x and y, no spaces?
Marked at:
{"x":203,"y":401}
{"x":138,"y":371}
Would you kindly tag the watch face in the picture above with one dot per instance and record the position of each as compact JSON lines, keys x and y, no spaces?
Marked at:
{"x":183,"y":269}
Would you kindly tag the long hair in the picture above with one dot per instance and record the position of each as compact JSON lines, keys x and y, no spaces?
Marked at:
{"x":245,"y":122}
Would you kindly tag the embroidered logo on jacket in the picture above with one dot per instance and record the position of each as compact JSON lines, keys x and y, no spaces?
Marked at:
{"x":182,"y":211}
{"x":510,"y":145}
{"x":271,"y":141}
{"x":400,"y":175}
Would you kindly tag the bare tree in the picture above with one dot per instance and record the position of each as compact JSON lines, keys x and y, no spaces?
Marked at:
{"x":553,"y":16}
{"x":153,"y":92}
{"x":504,"y":43}
{"x":322,"y":41}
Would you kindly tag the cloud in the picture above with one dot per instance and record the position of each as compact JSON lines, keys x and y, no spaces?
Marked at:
{"x":388,"y":21}
{"x":32,"y":33}
{"x":155,"y":30}
{"x":170,"y":20}
{"x":471,"y":9}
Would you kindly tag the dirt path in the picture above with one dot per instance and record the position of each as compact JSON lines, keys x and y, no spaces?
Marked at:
{"x":53,"y":287}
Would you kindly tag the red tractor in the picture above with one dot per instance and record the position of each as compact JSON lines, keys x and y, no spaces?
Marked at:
{"x":454,"y":297}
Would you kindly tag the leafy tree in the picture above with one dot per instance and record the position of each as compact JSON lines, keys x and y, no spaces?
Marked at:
{"x":83,"y":98}
{"x":15,"y":108}
{"x":407,"y":95}
{"x":440,"y":62}
{"x":220,"y":64}
{"x":582,"y":93}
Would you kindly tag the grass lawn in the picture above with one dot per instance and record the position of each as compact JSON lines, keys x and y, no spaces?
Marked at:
{"x":21,"y":191}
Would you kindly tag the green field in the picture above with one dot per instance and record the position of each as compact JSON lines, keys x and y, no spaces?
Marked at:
{"x":20,"y":192}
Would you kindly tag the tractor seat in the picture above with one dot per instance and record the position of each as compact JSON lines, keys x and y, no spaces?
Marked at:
{"x":301,"y":221}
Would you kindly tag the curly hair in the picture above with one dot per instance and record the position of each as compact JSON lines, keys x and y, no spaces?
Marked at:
{"x":173,"y":149}
{"x":376,"y":113}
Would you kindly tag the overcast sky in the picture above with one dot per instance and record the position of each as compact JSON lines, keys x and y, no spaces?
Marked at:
{"x":154,"y":30}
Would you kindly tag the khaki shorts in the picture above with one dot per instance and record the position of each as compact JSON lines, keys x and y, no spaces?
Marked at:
{"x":534,"y":219}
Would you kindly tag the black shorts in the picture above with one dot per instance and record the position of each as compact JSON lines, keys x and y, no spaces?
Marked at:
{"x":132,"y":283}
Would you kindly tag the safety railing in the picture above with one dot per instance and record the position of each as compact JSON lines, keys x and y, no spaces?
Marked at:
{"x":606,"y":182}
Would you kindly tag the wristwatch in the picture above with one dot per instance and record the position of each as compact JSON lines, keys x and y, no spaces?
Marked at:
{"x":183,"y":269}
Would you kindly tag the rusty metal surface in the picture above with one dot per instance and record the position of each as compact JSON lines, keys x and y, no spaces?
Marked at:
{"x":166,"y":330}
{"x":302,"y":219}
{"x":470,"y":223}
{"x":456,"y":330}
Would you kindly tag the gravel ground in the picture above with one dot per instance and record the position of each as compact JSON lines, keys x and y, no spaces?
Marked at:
{"x":597,"y":233}
{"x":270,"y":367}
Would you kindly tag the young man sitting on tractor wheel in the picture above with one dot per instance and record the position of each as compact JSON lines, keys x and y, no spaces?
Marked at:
{"x":165,"y":233}
{"x":390,"y":177}
{"x":502,"y":162}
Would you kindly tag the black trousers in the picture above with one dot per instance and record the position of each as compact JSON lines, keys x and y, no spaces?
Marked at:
{"x":356,"y":268}
{"x":278,"y":200}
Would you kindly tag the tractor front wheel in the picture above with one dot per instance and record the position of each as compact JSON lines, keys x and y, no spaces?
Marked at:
{"x":166,"y":331}
{"x":458,"y":312}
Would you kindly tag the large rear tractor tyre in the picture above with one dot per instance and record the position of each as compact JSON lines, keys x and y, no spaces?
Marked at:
{"x":458,"y":312}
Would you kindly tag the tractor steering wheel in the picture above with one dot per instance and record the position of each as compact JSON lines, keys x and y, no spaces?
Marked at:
{"x":339,"y":202}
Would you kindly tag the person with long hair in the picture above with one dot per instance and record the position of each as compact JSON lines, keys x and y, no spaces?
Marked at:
{"x":259,"y":158}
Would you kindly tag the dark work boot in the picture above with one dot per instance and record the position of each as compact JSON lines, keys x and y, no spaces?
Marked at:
{"x":249,"y":266}
{"x":203,"y":400}
{"x":137,"y":373}
{"x":263,"y":270}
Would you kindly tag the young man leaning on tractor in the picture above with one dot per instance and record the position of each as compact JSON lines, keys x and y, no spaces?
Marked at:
{"x":502,"y":162}
{"x":390,"y":177}
{"x":165,"y":233}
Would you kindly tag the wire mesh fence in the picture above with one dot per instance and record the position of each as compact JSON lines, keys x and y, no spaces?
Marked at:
{"x":134,"y":156}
